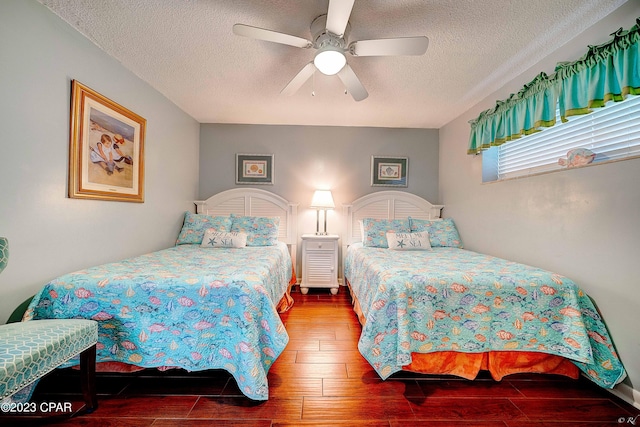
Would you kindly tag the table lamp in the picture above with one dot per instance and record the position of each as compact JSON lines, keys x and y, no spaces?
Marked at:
{"x":322,"y":200}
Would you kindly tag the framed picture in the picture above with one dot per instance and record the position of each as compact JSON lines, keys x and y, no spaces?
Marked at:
{"x":389,"y":171}
{"x":106,"y":150}
{"x":254,"y":168}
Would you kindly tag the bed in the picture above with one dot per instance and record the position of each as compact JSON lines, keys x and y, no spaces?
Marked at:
{"x":193,"y":306}
{"x":446,"y":310}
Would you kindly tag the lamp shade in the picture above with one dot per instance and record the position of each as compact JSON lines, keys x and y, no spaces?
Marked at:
{"x":322,"y":199}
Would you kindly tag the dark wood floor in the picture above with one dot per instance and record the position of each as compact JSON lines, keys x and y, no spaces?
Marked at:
{"x":321,"y":380}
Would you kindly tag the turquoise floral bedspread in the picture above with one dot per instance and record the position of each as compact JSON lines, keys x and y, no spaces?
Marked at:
{"x":186,"y":306}
{"x":449,"y":299}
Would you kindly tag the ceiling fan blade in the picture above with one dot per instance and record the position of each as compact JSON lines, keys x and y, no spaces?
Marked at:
{"x":352,"y":83}
{"x":390,"y":47}
{"x":300,"y":78}
{"x":338,"y":16}
{"x":270,"y":36}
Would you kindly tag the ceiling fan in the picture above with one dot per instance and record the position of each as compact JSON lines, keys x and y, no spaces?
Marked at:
{"x":330,"y":38}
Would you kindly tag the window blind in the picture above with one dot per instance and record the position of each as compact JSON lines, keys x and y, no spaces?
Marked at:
{"x":612,"y":132}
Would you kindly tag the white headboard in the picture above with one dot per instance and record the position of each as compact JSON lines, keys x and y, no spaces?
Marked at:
{"x":385,"y":205}
{"x":256,"y":202}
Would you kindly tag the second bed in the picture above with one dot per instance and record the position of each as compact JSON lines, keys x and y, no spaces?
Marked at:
{"x":447,"y":310}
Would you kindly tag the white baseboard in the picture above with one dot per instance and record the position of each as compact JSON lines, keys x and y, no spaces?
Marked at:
{"x":628,"y":394}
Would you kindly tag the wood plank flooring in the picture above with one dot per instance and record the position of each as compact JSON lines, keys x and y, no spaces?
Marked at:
{"x":321,"y":380}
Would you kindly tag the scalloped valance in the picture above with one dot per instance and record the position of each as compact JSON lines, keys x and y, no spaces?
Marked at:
{"x":608,"y":72}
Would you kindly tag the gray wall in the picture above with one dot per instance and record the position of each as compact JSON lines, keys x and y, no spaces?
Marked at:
{"x":307,"y":158}
{"x":582,"y":223}
{"x":50,"y":234}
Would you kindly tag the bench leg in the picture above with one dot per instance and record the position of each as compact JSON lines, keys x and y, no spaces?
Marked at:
{"x":88,"y":377}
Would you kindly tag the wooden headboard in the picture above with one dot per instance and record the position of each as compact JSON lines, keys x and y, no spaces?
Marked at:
{"x":385,"y":205}
{"x":256,"y":202}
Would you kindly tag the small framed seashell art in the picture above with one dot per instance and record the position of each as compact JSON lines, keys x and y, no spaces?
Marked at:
{"x":254,"y":169}
{"x":389,"y":171}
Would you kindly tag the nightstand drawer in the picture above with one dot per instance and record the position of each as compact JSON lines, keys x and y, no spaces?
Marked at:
{"x":320,"y":246}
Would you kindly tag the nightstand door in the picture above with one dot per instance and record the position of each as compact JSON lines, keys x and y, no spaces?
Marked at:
{"x":319,"y":267}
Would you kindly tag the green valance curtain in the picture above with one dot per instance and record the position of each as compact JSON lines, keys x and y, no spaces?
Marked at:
{"x":608,"y":72}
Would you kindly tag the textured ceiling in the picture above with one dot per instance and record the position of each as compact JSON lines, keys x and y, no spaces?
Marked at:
{"x":187,"y":51}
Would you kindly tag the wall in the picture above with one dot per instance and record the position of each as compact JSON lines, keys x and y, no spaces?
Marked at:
{"x":307,"y":158}
{"x":50,"y":234}
{"x":582,"y":223}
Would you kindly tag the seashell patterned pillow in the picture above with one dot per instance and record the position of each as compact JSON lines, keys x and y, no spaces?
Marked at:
{"x":195,"y":225}
{"x":375,"y":230}
{"x":260,"y":231}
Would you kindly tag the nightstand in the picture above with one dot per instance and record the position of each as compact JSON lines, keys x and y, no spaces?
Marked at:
{"x":319,"y":262}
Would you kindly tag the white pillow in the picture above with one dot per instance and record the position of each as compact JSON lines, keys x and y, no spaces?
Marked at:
{"x":409,"y":241}
{"x":223,"y":239}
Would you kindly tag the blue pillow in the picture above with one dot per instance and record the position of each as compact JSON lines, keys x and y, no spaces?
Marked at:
{"x":375,"y":231}
{"x":442,"y":232}
{"x":196,"y":224}
{"x":260,"y":231}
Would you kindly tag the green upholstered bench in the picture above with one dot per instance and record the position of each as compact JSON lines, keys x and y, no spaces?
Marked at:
{"x":29,"y":350}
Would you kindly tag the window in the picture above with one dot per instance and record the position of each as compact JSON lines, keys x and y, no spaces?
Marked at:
{"x":612,"y":132}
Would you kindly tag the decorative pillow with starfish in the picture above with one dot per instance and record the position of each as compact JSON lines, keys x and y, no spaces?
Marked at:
{"x":409,"y":241}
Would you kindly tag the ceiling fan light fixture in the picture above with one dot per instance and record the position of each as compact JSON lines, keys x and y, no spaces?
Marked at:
{"x":329,"y":60}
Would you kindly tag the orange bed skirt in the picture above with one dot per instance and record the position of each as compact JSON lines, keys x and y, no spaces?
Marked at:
{"x":286,"y":302}
{"x":498,"y":363}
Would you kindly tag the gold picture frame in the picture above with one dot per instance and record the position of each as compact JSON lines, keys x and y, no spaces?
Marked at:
{"x":106,"y":149}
